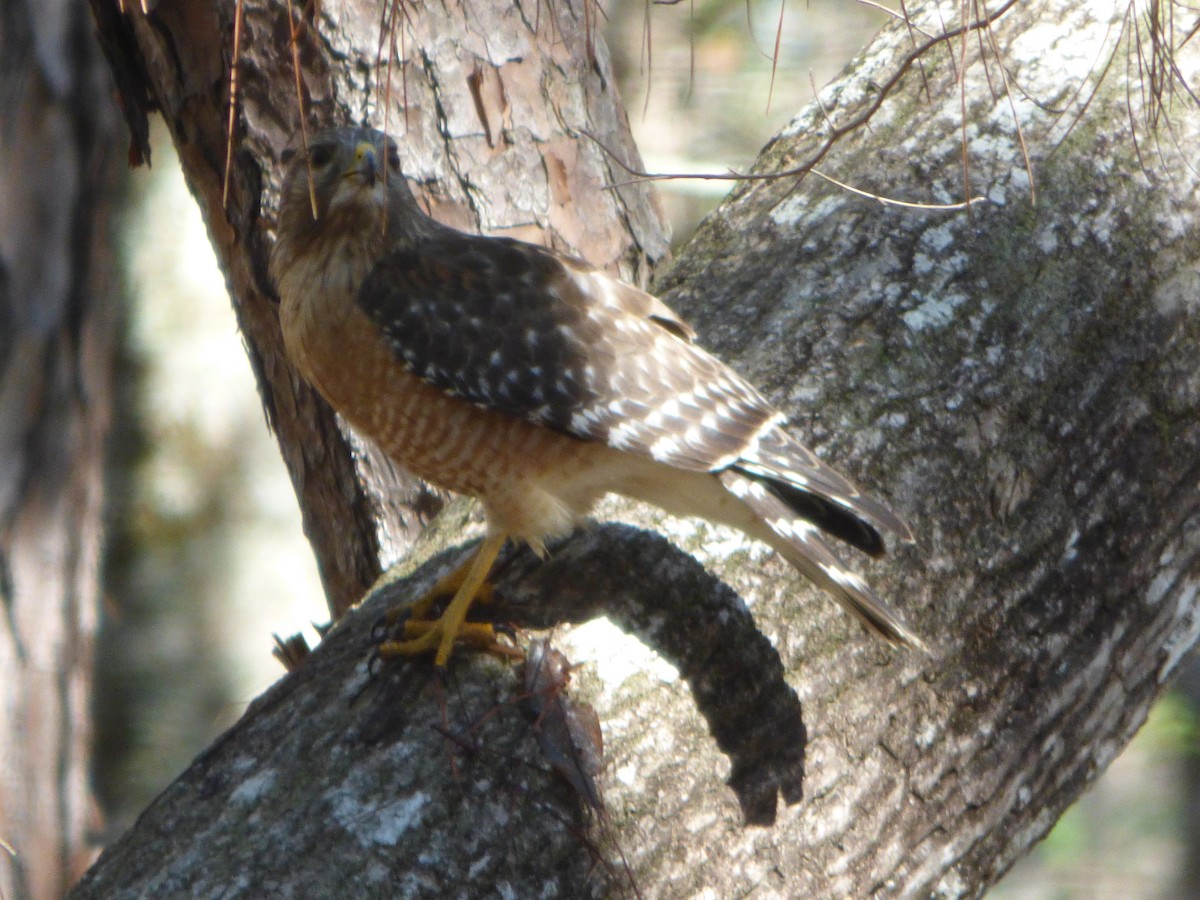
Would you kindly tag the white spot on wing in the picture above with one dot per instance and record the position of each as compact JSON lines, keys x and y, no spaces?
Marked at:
{"x":581,"y":422}
{"x":664,"y":448}
{"x":609,"y":292}
{"x":739,"y":487}
{"x":623,"y":436}
{"x":798,"y":529}
{"x":842,"y":577}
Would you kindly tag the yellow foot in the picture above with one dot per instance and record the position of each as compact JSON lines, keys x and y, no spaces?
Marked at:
{"x":469,"y":583}
{"x":423,"y":635}
{"x":447,"y":586}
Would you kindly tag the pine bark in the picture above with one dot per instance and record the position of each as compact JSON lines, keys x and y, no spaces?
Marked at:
{"x":1019,"y":380}
{"x":58,"y":182}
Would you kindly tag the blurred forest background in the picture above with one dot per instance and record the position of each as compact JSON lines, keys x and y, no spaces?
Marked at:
{"x":206,"y":558}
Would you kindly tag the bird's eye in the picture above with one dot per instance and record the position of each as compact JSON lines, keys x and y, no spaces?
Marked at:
{"x":320,"y":155}
{"x":393,"y":159}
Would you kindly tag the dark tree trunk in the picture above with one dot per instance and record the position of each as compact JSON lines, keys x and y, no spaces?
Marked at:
{"x":1020,"y":381}
{"x":59,"y":173}
{"x":1188,"y":884}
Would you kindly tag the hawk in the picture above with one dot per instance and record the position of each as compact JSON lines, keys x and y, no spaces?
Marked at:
{"x":538,"y":384}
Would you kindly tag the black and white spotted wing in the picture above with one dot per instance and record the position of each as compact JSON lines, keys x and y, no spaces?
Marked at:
{"x":518,"y":329}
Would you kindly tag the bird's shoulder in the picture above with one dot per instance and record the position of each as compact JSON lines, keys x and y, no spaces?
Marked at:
{"x":454,"y":275}
{"x":541,"y":336}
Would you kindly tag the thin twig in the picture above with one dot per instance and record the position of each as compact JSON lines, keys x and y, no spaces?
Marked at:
{"x":1012,"y":106}
{"x":775,"y":55}
{"x":238,"y":12}
{"x":295,"y":41}
{"x":908,"y":22}
{"x":900,"y":15}
{"x":962,"y":100}
{"x":889,"y":201}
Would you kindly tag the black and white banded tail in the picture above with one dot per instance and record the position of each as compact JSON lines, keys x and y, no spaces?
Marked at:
{"x":799,"y":498}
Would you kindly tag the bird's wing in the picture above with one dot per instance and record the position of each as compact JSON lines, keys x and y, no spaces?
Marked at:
{"x":518,"y":329}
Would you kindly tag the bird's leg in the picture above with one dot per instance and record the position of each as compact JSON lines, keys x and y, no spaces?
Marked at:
{"x":469,"y":581}
{"x":449,"y":585}
{"x":446,"y":586}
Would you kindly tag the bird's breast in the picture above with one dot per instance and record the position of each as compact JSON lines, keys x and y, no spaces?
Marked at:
{"x":539,"y":480}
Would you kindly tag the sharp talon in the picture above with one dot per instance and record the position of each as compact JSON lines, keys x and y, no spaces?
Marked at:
{"x":422,"y":636}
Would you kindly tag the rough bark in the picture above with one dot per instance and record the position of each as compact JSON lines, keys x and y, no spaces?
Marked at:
{"x":58,"y":178}
{"x":1020,"y":381}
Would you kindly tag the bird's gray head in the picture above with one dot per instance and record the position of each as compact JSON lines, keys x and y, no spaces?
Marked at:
{"x":349,"y":184}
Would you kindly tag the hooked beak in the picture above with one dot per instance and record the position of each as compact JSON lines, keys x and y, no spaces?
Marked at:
{"x":365,"y":166}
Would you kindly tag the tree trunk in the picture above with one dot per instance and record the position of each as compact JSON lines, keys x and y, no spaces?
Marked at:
{"x":1188,"y":880}
{"x":58,"y":178}
{"x":1019,"y":380}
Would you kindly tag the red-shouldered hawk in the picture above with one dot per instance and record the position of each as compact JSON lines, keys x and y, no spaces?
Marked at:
{"x":537,"y":384}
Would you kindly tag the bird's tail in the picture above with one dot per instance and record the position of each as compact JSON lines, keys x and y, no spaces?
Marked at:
{"x":819,"y":493}
{"x":794,"y":519}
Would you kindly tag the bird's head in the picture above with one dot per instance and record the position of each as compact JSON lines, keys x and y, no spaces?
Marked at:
{"x":348,"y":185}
